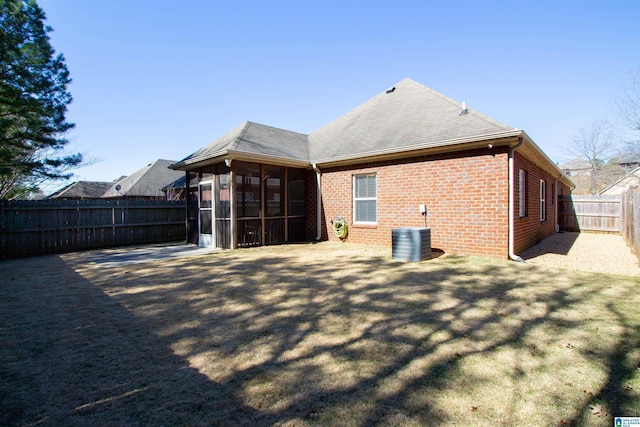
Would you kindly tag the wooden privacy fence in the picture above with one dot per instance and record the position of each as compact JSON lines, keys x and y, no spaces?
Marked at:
{"x":590,"y":213}
{"x":53,"y":226}
{"x":609,"y":214}
{"x":631,"y":218}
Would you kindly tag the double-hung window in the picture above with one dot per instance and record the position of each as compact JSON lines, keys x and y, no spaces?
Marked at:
{"x":365,"y":199}
{"x":543,"y":200}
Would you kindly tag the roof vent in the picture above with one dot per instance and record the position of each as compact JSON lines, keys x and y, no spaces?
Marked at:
{"x":464,"y":109}
{"x":391,"y":89}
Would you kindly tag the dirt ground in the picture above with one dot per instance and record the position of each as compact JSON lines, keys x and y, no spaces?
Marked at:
{"x":589,"y":252}
{"x":323,"y":334}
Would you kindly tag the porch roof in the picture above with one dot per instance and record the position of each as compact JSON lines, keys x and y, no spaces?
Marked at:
{"x":253,"y":142}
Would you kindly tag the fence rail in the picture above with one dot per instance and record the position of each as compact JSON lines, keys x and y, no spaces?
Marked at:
{"x":53,"y":226}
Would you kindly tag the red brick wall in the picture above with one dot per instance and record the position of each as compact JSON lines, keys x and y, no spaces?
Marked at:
{"x":529,"y":230}
{"x":466,"y":195}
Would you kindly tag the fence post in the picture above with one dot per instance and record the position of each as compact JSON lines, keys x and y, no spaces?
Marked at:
{"x":635,"y":208}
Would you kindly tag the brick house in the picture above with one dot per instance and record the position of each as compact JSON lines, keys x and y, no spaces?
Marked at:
{"x":487,"y":187}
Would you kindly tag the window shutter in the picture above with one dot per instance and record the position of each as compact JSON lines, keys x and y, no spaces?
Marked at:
{"x":522,"y":199}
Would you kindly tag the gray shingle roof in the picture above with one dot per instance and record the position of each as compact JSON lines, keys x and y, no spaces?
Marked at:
{"x":409,"y":117}
{"x":145,"y":182}
{"x":576,"y":164}
{"x":627,"y":159}
{"x":82,"y":190}
{"x":254,"y":139}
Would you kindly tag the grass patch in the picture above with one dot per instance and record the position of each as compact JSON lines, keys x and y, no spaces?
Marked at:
{"x":323,"y":334}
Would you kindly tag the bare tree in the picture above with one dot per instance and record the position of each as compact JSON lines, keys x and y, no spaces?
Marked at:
{"x":628,"y":129}
{"x":595,"y":144}
{"x":628,"y":104}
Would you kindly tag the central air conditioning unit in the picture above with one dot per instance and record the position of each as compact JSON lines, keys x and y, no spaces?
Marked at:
{"x":411,"y":244}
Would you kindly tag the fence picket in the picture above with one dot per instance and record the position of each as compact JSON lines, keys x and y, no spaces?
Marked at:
{"x":53,"y":226}
{"x":631,"y":218}
{"x":590,"y":213}
{"x":610,"y":214}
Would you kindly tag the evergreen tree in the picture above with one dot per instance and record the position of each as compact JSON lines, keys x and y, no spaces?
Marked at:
{"x":33,"y":102}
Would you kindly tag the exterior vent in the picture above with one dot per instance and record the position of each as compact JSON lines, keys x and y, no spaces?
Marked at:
{"x":411,"y":244}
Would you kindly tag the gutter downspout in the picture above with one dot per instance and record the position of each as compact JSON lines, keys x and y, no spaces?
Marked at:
{"x":318,"y":202}
{"x":555,"y":203}
{"x":512,"y":150}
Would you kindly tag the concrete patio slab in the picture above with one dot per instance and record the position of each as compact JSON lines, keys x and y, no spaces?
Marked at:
{"x":124,"y":256}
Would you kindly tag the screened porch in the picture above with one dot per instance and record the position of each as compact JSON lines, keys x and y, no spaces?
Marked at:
{"x":246,"y":204}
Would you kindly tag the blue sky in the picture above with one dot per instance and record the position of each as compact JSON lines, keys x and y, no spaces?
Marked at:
{"x":160,"y":79}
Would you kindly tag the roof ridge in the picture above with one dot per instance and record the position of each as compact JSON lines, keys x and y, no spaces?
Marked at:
{"x":473,"y":111}
{"x":236,"y":141}
{"x":276,"y":128}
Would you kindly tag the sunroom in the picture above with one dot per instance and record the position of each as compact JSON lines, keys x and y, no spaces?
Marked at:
{"x":248,"y":188}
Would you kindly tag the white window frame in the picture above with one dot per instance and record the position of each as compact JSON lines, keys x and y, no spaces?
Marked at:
{"x":522,"y":196}
{"x":543,"y":200}
{"x":357,"y":199}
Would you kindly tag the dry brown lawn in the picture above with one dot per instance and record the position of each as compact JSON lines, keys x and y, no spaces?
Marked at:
{"x":323,"y":334}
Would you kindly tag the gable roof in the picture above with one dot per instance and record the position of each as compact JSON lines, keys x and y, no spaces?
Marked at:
{"x":406,"y":117}
{"x":254,"y":141}
{"x":82,"y":190}
{"x":145,"y":182}
{"x":406,"y":120}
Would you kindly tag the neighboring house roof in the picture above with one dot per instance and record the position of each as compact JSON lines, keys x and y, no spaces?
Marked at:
{"x":576,"y":165}
{"x":255,"y":140}
{"x":82,"y":190}
{"x":180,"y":182}
{"x":621,"y":185}
{"x":146,"y":182}
{"x":406,"y":117}
{"x":627,"y":159}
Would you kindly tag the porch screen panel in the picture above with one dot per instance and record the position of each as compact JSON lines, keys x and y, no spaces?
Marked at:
{"x":248,"y":190}
{"x":192,"y":209}
{"x":296,"y":192}
{"x":274,"y":232}
{"x":274,"y":190}
{"x":297,"y":229}
{"x":223,"y":211}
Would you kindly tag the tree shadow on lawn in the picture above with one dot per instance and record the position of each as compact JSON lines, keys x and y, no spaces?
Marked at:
{"x":70,"y":355}
{"x":558,"y":243}
{"x":346,"y":338}
{"x":335,"y":337}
